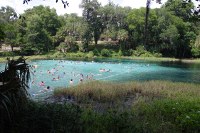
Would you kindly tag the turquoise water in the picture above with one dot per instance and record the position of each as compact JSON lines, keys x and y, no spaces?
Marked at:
{"x":115,"y":70}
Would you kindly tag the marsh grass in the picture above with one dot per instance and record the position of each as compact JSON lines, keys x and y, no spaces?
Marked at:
{"x":156,"y":106}
{"x":108,"y":92}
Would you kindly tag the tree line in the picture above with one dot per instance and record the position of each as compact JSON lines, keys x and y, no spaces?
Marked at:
{"x":173,"y":29}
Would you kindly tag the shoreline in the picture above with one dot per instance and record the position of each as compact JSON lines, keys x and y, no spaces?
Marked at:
{"x":155,"y":59}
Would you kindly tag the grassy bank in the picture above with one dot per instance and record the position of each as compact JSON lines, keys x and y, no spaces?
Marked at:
{"x":135,"y":92}
{"x":154,"y":106}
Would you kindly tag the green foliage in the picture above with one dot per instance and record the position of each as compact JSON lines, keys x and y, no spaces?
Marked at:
{"x":142,"y":52}
{"x":38,"y":35}
{"x":105,"y":53}
{"x":91,"y":16}
{"x":13,"y":90}
{"x":90,"y":54}
{"x":157,"y":106}
{"x":77,"y":55}
{"x":48,"y":118}
{"x":59,"y":54}
{"x":195,"y":52}
{"x":171,"y":29}
{"x":180,"y":9}
{"x":69,"y":45}
{"x":109,"y":122}
{"x":96,"y":52}
{"x":7,"y":54}
{"x":170,"y":115}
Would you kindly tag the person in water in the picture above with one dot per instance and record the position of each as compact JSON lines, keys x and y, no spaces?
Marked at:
{"x":71,"y":82}
{"x":42,"y":83}
{"x":46,"y":89}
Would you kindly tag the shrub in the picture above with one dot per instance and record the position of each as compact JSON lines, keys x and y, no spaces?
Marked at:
{"x":78,"y":54}
{"x":69,"y":45}
{"x":6,"y":54}
{"x":59,"y":54}
{"x":157,"y":54}
{"x":195,"y":52}
{"x":90,"y":54}
{"x":105,"y":53}
{"x":96,"y":52}
{"x":142,"y":52}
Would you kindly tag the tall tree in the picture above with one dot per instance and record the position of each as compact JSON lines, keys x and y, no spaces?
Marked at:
{"x":180,"y":8}
{"x":8,"y":31}
{"x":148,"y":4}
{"x":42,"y":24}
{"x":92,"y":16}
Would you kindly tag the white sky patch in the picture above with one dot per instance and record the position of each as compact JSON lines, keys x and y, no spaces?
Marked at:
{"x":140,"y":3}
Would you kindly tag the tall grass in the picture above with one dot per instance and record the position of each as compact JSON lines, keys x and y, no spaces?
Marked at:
{"x":104,"y":91}
{"x":156,"y":106}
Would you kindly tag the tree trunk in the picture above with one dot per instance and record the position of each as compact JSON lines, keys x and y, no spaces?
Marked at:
{"x":12,"y":48}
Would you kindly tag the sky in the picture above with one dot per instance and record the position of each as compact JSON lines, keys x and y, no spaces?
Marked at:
{"x":73,"y":5}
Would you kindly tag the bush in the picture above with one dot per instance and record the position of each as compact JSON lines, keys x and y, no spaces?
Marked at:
{"x":68,"y":47}
{"x":96,"y":52}
{"x":157,"y":54}
{"x":142,"y":52}
{"x":59,"y":54}
{"x":7,"y":54}
{"x":169,"y":116}
{"x":195,"y":52}
{"x":47,"y":118}
{"x":90,"y":54}
{"x":105,"y":53}
{"x":78,"y":54}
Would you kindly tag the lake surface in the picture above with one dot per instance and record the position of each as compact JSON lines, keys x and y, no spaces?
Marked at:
{"x":58,"y":73}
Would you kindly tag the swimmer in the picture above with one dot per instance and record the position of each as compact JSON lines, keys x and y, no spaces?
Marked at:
{"x":46,"y":89}
{"x":35,"y":66}
{"x":108,"y":70}
{"x":101,"y":70}
{"x":48,"y":72}
{"x":81,"y":80}
{"x":42,"y":83}
{"x":71,"y":81}
{"x":54,"y":79}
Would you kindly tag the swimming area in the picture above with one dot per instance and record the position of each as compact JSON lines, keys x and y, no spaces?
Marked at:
{"x":65,"y":73}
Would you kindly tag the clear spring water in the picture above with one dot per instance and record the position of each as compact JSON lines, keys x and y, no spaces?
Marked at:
{"x":118,"y":71}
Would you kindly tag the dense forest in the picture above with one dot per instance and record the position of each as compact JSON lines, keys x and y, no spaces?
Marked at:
{"x":173,"y":29}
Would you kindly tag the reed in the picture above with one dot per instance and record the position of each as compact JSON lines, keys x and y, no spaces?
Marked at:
{"x":104,"y":91}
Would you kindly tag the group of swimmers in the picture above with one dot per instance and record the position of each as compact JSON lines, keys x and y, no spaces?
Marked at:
{"x":58,"y":76}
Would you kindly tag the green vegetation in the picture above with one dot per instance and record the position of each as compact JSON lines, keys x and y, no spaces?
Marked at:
{"x":154,"y":106}
{"x":173,"y":30}
{"x":103,"y":91}
{"x":13,"y":90}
